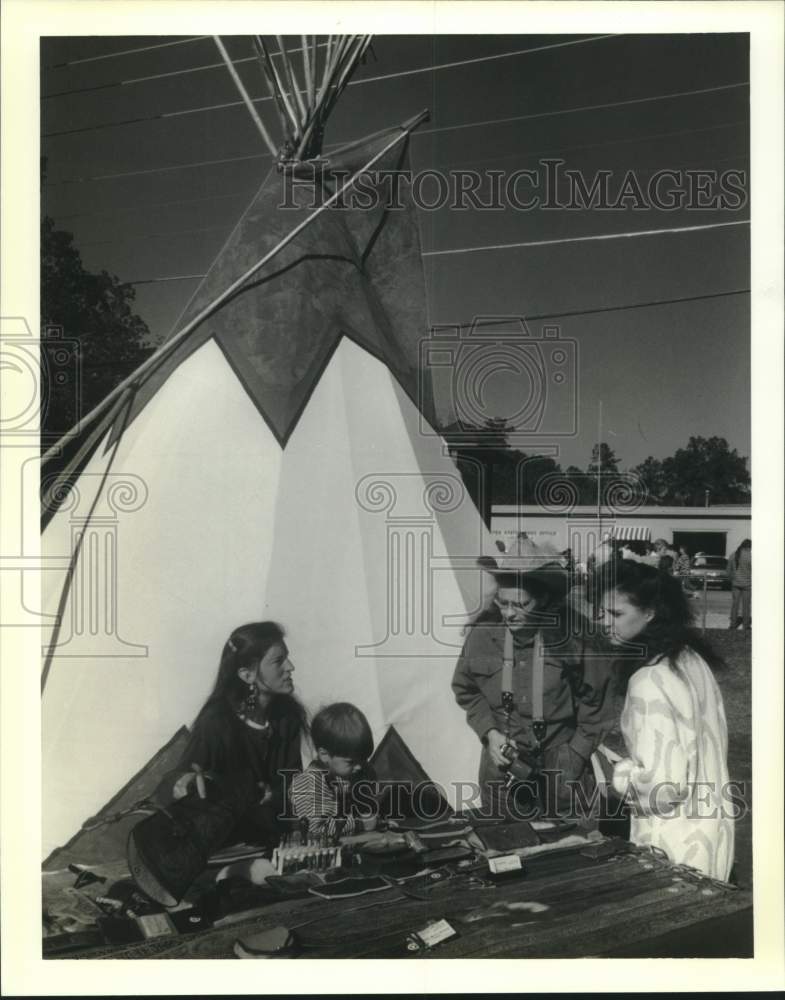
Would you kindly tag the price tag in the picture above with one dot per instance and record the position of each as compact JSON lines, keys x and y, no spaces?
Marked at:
{"x":505,"y":863}
{"x":435,"y":933}
{"x":154,"y":925}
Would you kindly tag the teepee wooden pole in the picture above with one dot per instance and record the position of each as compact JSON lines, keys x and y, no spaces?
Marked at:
{"x":276,"y":78}
{"x":314,"y":66}
{"x":291,"y":79}
{"x":245,"y":96}
{"x":306,"y":51}
{"x":165,"y":349}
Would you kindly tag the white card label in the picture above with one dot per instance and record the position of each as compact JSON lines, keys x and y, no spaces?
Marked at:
{"x":435,"y":933}
{"x":156,"y":925}
{"x":505,"y":863}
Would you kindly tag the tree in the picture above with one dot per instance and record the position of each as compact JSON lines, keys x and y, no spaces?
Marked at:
{"x":602,"y":457}
{"x":103,"y":338}
{"x":707,"y":464}
{"x":652,"y":474}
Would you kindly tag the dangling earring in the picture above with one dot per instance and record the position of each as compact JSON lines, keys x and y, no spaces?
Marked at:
{"x":249,"y":705}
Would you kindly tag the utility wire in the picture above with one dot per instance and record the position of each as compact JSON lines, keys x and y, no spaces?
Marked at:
{"x":374,"y":79}
{"x":368,"y":79}
{"x":601,"y":309}
{"x":126,"y":52}
{"x":586,"y":239}
{"x":446,"y":128}
{"x":587,"y":107}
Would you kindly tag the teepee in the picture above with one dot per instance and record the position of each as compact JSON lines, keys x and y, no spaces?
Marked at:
{"x":275,"y":459}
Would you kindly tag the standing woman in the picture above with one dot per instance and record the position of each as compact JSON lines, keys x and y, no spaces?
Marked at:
{"x":249,"y":730}
{"x":740,"y":572}
{"x":673,"y":722}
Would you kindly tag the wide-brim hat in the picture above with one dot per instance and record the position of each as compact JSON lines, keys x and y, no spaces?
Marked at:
{"x":515,"y":571}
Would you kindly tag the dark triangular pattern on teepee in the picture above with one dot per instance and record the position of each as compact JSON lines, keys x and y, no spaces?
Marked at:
{"x":108,"y":842}
{"x":409,"y":787}
{"x":353,"y":272}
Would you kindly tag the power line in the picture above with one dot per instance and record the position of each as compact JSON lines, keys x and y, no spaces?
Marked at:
{"x":588,"y":107}
{"x":368,"y":79}
{"x":373,"y":79}
{"x":127,"y":52}
{"x":151,"y":204}
{"x":586,"y":239}
{"x":446,"y":128}
{"x":550,"y":150}
{"x":604,"y":309}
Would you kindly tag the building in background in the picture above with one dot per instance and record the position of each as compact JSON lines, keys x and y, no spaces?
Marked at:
{"x":713,"y":530}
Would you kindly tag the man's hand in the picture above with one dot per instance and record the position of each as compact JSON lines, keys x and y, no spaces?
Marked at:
{"x":495,"y":741}
{"x":265,"y":792}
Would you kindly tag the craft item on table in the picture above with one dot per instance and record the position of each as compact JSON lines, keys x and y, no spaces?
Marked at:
{"x":255,"y":870}
{"x":236,"y":852}
{"x":288,"y":860}
{"x":352,"y":886}
{"x":505,"y":866}
{"x":84,"y":876}
{"x":427,"y":825}
{"x":433,"y":934}
{"x":294,"y":886}
{"x":375,"y":842}
{"x":505,"y":838}
{"x":455,"y":853}
{"x":276,"y":942}
{"x":153,"y":925}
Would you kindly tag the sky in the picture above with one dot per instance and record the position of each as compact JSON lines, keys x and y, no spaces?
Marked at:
{"x":151,"y":197}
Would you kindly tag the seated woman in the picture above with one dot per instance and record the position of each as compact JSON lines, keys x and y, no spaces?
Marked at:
{"x":248,"y":730}
{"x":336,"y":793}
{"x":537,"y":714}
{"x":673,"y":722}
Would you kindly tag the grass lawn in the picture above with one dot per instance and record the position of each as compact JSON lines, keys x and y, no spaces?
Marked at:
{"x":735,"y":684}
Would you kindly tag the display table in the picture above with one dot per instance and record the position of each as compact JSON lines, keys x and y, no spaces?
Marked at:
{"x":616,"y":901}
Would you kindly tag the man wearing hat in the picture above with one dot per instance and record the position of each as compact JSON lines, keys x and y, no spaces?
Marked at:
{"x":535,"y":686}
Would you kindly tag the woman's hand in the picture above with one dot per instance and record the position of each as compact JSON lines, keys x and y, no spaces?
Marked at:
{"x":195,"y":776}
{"x":266,"y":793}
{"x":495,"y":741}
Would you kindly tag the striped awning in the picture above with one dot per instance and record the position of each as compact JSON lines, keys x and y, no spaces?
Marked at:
{"x":631,"y":532}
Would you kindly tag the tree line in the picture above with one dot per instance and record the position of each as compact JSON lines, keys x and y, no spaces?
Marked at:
{"x":705,"y":470}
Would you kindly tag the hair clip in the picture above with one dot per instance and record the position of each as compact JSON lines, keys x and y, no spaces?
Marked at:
{"x":231,"y":645}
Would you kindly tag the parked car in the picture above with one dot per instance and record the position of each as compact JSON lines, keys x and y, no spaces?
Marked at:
{"x":712,"y":569}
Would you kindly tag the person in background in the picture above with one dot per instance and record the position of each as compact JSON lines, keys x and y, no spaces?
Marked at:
{"x":665,"y":551}
{"x":673,"y":722}
{"x":682,"y":565}
{"x":740,"y":573}
{"x":336,"y":793}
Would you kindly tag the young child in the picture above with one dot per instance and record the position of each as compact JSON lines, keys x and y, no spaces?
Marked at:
{"x":336,"y":792}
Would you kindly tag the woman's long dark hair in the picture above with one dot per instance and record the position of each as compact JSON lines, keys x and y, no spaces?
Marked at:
{"x":245,"y":647}
{"x":670,"y":632}
{"x":746,"y":544}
